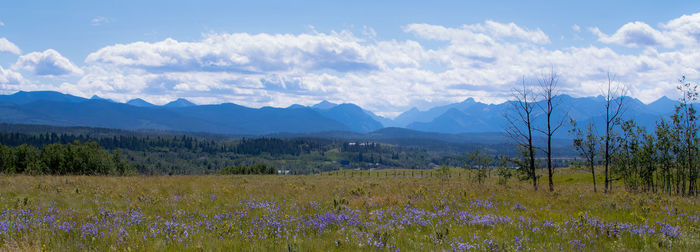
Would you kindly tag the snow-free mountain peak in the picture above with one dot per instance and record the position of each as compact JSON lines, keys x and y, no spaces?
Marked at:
{"x":179,"y":103}
{"x":324,"y":105}
{"x":95,"y":97}
{"x":296,"y":106}
{"x":138,"y":102}
{"x":25,"y":97}
{"x":351,"y":115}
{"x":469,"y":100}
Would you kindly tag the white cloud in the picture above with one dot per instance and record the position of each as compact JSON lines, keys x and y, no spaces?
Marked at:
{"x":512,"y":30}
{"x":636,"y":34}
{"x":481,"y":33}
{"x":576,"y":28}
{"x":47,"y":63}
{"x":241,"y":52}
{"x":2,"y":24}
{"x":685,"y":29}
{"x":481,"y":60}
{"x":97,"y":21}
{"x":7,"y":46}
{"x":9,"y":77}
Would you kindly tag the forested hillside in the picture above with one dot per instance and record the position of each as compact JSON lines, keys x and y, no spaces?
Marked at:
{"x":199,"y":155}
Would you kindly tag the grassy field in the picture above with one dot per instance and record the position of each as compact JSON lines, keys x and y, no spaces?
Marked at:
{"x":336,"y":212}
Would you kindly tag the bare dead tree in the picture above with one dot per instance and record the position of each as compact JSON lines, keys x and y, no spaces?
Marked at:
{"x":520,"y":125}
{"x":549,"y":92}
{"x":614,"y":108}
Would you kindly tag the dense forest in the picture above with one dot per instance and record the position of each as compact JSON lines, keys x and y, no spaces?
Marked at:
{"x":63,"y":159}
{"x":258,"y":168}
{"x":167,"y":155}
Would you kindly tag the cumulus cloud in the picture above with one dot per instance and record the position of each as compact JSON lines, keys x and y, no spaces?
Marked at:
{"x":483,"y":60}
{"x":480,"y":60}
{"x":512,"y":30}
{"x":7,"y":46}
{"x":683,"y":31}
{"x":635,"y":34}
{"x":483,"y":33}
{"x":10,"y":81}
{"x":8,"y":76}
{"x":242,"y":52}
{"x":47,"y":63}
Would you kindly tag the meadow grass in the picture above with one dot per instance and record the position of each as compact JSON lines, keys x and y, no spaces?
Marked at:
{"x":378,"y":210}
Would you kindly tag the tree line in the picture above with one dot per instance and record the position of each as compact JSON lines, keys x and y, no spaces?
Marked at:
{"x":665,"y":159}
{"x":273,"y":146}
{"x":170,"y":155}
{"x":62,"y":159}
{"x":257,"y":168}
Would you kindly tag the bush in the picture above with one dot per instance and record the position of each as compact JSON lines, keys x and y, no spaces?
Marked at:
{"x":257,"y":168}
{"x":56,"y":159}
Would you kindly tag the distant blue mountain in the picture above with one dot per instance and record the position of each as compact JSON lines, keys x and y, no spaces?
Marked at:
{"x":23,"y":97}
{"x":466,"y":117}
{"x":350,"y":115}
{"x":456,"y":121}
{"x":138,"y":102}
{"x":663,"y":105}
{"x":470,"y":116}
{"x":382,"y":120}
{"x":416,"y":116}
{"x":95,"y":97}
{"x":293,"y":106}
{"x":65,"y":110}
{"x":179,"y":103}
{"x":324,"y":105}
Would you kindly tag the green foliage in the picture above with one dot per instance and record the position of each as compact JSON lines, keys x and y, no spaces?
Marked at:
{"x":479,"y":161}
{"x":522,"y":163}
{"x":665,"y":160}
{"x":444,"y":171}
{"x":257,"y":168}
{"x":163,"y":155}
{"x":687,"y":150}
{"x":503,"y":171}
{"x":57,"y":159}
{"x":586,"y":143}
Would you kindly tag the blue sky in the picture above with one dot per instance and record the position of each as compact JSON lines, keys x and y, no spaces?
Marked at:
{"x":386,"y":56}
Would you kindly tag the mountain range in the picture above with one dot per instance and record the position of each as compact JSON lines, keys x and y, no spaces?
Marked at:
{"x":469,"y":116}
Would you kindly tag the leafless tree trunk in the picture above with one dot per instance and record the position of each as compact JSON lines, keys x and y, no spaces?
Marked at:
{"x":614,"y":101}
{"x":520,"y":125}
{"x":549,"y":92}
